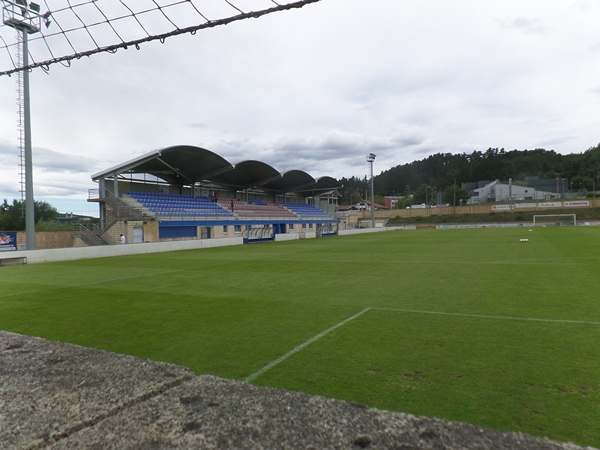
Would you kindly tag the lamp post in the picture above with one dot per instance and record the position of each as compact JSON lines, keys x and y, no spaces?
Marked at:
{"x":370,"y":160}
{"x":27,"y":20}
{"x":454,"y":202}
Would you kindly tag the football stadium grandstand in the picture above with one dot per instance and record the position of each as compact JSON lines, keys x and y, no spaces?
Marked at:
{"x":188,"y":192}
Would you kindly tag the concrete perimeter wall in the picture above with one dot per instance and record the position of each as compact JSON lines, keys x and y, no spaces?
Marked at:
{"x":48,"y":239}
{"x":104,"y":251}
{"x":374,"y":230}
{"x":538,"y":207}
{"x":74,"y":253}
{"x":295,"y":236}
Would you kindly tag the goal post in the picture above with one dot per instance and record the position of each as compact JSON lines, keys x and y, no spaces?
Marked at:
{"x":544,"y":220}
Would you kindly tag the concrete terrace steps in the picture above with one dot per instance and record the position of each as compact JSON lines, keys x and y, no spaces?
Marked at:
{"x":60,"y":396}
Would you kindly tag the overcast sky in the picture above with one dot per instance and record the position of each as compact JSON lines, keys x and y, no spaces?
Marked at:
{"x":319,"y":88}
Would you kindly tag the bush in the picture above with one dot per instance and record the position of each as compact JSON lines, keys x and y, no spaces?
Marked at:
{"x":53,"y":225}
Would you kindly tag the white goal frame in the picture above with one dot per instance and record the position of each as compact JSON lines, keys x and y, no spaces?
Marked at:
{"x":554,"y":219}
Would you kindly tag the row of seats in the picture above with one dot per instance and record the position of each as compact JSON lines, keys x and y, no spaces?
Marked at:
{"x":184,"y":213}
{"x":257,"y":208}
{"x":185,"y":205}
{"x":304,"y":210}
{"x":166,"y":205}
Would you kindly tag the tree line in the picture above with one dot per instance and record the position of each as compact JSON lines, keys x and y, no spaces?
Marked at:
{"x":12,"y":216}
{"x":446,"y":172}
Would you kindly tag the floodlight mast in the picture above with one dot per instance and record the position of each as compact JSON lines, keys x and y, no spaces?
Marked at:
{"x":27,"y":20}
{"x":370,"y":160}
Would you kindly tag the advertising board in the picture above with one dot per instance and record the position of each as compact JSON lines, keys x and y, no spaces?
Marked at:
{"x":8,"y":241}
{"x":503,"y":207}
{"x":578,"y":203}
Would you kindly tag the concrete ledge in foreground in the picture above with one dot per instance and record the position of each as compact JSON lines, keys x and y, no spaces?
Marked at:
{"x":61,"y":396}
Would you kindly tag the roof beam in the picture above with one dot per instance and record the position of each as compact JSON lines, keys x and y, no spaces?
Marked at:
{"x":174,"y":169}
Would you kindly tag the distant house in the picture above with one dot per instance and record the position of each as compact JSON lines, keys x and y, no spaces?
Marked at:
{"x":70,"y":217}
{"x":363,"y":205}
{"x":392,"y":200}
{"x":342,"y":208}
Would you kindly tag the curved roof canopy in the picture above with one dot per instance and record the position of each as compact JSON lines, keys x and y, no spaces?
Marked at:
{"x":187,"y":164}
{"x":291,"y":181}
{"x":323,"y":184}
{"x":181,"y":164}
{"x":247,"y":174}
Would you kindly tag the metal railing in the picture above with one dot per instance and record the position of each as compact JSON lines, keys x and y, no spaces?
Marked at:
{"x":327,"y":229}
{"x":258,"y":234}
{"x":116,"y":209}
{"x":92,"y":237}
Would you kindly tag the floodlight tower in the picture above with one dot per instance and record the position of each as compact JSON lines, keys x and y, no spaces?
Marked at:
{"x":371,"y":160}
{"x":27,"y":20}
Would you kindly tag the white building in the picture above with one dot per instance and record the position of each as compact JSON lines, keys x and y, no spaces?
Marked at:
{"x":498,"y":192}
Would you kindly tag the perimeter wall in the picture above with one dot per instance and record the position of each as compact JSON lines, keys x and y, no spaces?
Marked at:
{"x":550,"y":207}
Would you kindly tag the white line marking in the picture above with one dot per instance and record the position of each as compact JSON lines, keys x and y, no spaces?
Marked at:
{"x":90,"y":283}
{"x":483,"y":316}
{"x":129,"y":277}
{"x":304,"y":344}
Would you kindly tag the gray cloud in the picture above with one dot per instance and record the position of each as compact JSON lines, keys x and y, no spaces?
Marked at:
{"x":319,"y":88}
{"x":54,"y":161}
{"x":526,"y":25}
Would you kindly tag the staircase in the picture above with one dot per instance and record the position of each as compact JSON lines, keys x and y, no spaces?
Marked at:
{"x":116,"y":210}
{"x":92,"y":234}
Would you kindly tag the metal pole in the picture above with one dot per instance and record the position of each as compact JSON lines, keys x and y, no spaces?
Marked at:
{"x":29,"y":202}
{"x":455,"y":196}
{"x":370,"y":159}
{"x":372,"y":198}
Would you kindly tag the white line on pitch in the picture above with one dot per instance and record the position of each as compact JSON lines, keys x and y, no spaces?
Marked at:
{"x":44,"y":288}
{"x":129,"y":277}
{"x":304,"y":344}
{"x":483,"y":316}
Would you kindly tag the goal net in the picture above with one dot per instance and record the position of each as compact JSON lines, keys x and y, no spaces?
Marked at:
{"x":554,"y":220}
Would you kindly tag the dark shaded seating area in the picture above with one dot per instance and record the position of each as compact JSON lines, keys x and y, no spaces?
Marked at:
{"x":168,"y":205}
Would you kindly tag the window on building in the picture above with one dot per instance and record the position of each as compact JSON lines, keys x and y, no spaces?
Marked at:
{"x":237,"y":228}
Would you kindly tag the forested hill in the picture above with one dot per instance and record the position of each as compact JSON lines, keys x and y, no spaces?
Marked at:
{"x":443,"y":169}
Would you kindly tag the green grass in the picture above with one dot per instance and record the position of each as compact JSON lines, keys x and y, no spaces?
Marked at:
{"x":232,"y":311}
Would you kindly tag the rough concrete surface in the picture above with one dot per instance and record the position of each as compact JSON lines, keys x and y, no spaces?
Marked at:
{"x":61,"y":396}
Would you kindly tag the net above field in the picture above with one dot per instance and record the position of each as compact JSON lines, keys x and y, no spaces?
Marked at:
{"x":554,"y":220}
{"x":72,"y":29}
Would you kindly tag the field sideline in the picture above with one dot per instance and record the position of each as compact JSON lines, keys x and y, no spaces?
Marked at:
{"x":467,"y":325}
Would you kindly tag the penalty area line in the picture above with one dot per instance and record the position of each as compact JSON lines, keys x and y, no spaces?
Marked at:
{"x":304,"y":344}
{"x":483,"y":316}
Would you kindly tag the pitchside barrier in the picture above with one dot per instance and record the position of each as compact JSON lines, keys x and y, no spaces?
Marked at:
{"x":104,"y":251}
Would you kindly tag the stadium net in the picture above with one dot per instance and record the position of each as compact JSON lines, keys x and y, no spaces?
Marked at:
{"x":60,"y":31}
{"x":557,"y":220}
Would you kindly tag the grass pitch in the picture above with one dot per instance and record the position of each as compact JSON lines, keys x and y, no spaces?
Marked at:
{"x":467,"y":325}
